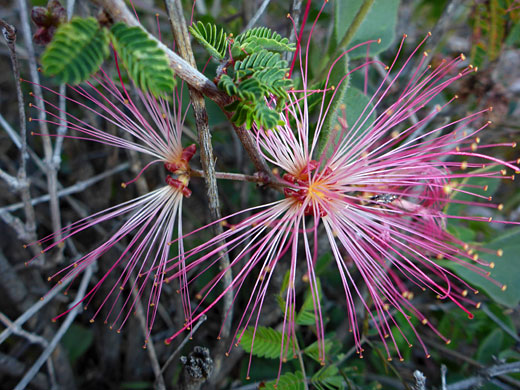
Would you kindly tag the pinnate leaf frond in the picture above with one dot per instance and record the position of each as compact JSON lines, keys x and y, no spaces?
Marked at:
{"x":77,"y":51}
{"x":146,"y":63}
{"x":213,"y":38}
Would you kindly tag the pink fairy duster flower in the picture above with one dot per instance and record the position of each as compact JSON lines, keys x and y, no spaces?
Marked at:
{"x":378,"y":193}
{"x":150,"y":219}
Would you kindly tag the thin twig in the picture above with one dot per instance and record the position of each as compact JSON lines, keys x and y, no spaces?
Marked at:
{"x":302,"y":365}
{"x":486,"y":375}
{"x":14,"y":368}
{"x":78,"y":187}
{"x":295,"y":12}
{"x":120,"y":13}
{"x":257,"y":15}
{"x":59,"y":334}
{"x":51,"y":172}
{"x":228,"y":176}
{"x":17,"y":330}
{"x":18,"y":143}
{"x":62,"y":128}
{"x":10,"y":132}
{"x":420,"y":380}
{"x":159,"y":379}
{"x":180,"y":33}
{"x":444,"y":371}
{"x":9,"y":33}
{"x":183,"y":343}
{"x":11,"y":181}
{"x":458,"y":357}
{"x":33,"y":310}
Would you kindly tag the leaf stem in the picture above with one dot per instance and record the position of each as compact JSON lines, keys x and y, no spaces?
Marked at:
{"x":354,"y":26}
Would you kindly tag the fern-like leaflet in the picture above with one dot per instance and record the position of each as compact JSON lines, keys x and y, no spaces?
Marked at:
{"x":213,"y":38}
{"x":77,"y":50}
{"x":265,"y":342}
{"x":146,"y":63}
{"x":254,"y":73}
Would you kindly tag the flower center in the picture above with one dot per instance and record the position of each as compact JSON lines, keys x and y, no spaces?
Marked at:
{"x":304,"y":190}
{"x":180,"y":169}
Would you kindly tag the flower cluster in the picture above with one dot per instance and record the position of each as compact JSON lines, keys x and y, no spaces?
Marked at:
{"x":152,"y":218}
{"x":378,"y":193}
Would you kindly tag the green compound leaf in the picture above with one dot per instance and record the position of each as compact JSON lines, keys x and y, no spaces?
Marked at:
{"x":226,"y":83}
{"x":259,"y":61}
{"x":259,"y":38}
{"x":267,"y":343}
{"x":313,"y":350}
{"x":258,"y":75}
{"x":306,"y":315}
{"x":266,"y":117}
{"x":287,"y":381}
{"x":77,"y":51}
{"x":213,"y":38}
{"x":327,"y":378}
{"x":146,"y":63}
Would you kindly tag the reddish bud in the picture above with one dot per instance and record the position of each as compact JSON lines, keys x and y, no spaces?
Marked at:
{"x":188,"y":152}
{"x":47,"y":19}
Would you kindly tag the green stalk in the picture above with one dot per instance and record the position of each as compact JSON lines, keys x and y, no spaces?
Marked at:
{"x":354,"y":26}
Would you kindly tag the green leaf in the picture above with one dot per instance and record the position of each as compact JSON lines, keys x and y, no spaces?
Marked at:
{"x":509,"y":243}
{"x":489,"y":187}
{"x":77,"y":341}
{"x":267,"y":343}
{"x":513,"y":38}
{"x":306,"y":315}
{"x":490,"y":346}
{"x":213,"y":38}
{"x":266,"y":117}
{"x":287,"y":381}
{"x":313,"y":352}
{"x":226,"y":83}
{"x":379,"y":23}
{"x":77,"y":51}
{"x":260,"y":60}
{"x":146,"y":63}
{"x":256,"y":76}
{"x":337,"y":74}
{"x":257,"y":39}
{"x":327,"y":378}
{"x":358,"y":112}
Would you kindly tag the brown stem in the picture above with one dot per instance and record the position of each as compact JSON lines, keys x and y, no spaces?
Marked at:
{"x":180,"y":33}
{"x":231,"y":176}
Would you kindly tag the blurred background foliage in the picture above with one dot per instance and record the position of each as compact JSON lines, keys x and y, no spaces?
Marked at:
{"x":90,"y":356}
